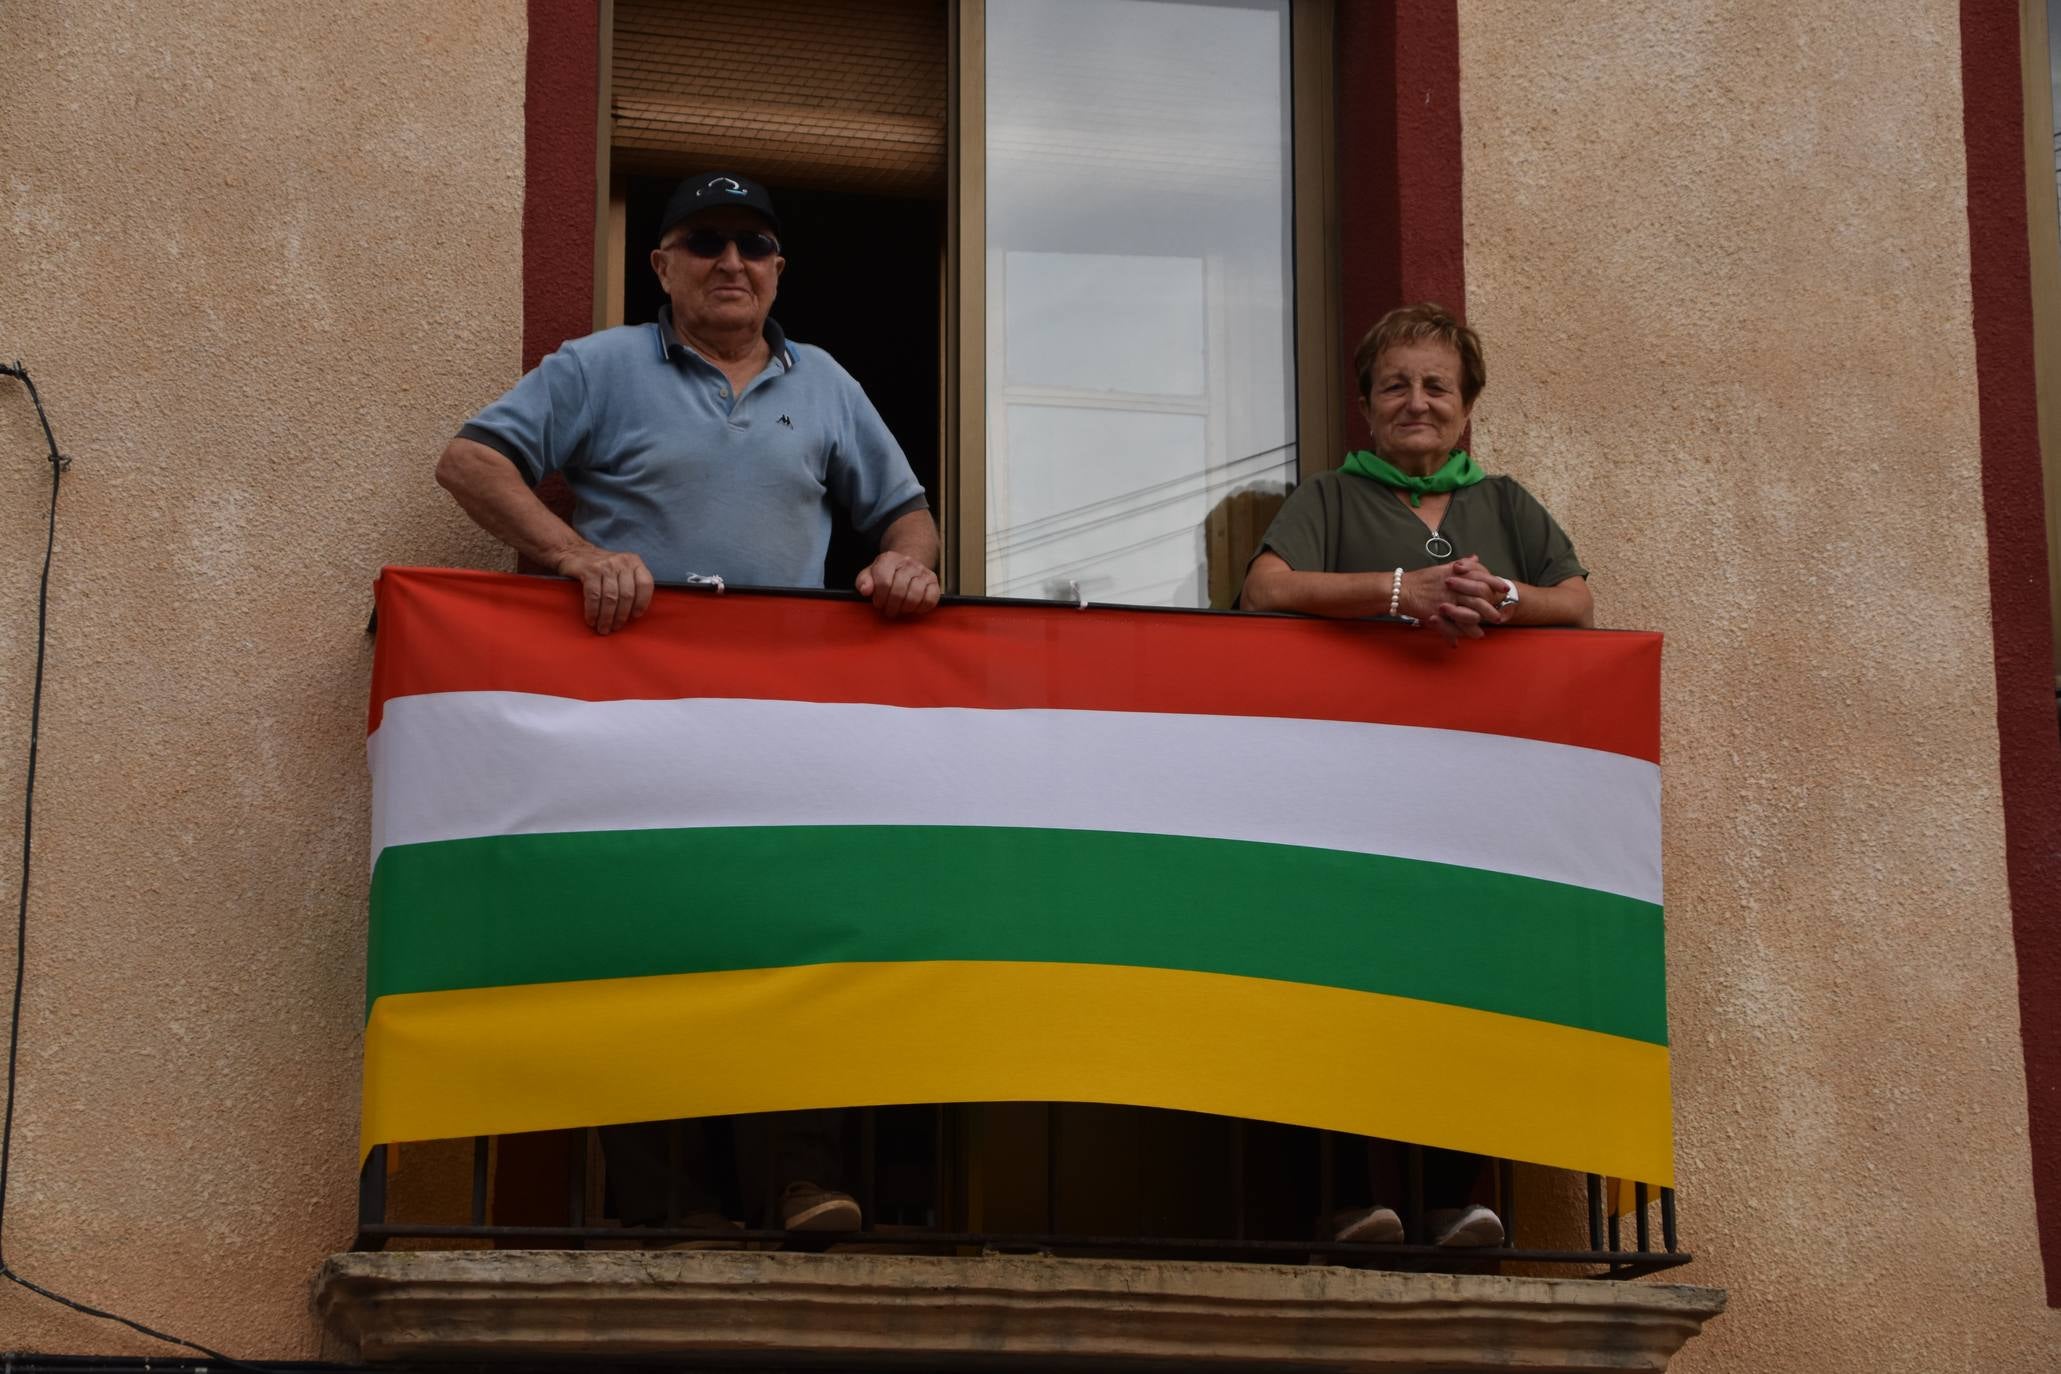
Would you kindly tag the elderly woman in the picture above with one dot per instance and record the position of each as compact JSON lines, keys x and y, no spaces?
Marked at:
{"x":1415,"y":530}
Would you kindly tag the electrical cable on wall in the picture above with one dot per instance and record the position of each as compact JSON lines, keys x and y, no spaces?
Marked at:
{"x":58,"y":464}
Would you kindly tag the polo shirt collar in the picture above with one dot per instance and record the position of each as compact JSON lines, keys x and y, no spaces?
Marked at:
{"x":668,"y":340}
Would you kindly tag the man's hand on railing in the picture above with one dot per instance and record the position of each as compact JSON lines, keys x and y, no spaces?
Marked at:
{"x":900,"y":581}
{"x":898,"y":585}
{"x":615,"y":588}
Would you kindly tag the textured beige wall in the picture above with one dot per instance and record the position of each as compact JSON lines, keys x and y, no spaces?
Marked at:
{"x":1719,"y":254}
{"x":260,"y":259}
{"x":261,"y":262}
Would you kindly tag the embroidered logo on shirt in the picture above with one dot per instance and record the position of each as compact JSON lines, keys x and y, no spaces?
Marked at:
{"x":785,"y":421}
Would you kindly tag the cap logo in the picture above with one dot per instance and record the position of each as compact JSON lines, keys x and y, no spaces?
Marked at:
{"x":728,"y":184}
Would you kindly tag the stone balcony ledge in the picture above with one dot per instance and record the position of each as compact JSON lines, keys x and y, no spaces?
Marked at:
{"x":864,"y":1311}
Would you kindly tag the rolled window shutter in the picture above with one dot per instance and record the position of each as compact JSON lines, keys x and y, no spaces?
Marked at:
{"x":837,"y":95}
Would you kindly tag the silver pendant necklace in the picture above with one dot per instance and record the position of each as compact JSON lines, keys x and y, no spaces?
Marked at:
{"x":1438,"y":546}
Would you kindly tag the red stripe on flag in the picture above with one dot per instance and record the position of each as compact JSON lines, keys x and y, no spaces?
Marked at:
{"x":443,"y":630}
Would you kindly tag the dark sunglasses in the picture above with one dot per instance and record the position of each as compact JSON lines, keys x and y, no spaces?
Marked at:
{"x":752,"y":245}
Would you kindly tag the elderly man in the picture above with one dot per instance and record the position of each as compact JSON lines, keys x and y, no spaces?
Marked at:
{"x":704,"y":444}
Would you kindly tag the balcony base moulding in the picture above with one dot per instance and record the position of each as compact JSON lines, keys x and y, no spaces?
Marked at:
{"x":986,"y":1312}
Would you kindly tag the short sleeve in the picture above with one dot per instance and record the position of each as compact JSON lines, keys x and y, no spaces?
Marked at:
{"x":541,"y":424}
{"x":1544,"y":550}
{"x":867,"y":473}
{"x":1297,"y":534}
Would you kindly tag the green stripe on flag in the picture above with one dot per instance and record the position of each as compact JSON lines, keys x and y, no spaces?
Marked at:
{"x":516,"y":909}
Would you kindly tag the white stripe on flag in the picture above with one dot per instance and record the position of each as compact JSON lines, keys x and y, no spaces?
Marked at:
{"x":463,"y":764}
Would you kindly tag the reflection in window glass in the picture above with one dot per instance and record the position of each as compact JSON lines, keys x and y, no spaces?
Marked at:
{"x":2054,"y":67}
{"x":1140,"y":331}
{"x":1140,"y":543}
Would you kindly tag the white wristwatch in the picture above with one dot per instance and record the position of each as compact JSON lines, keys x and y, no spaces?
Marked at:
{"x":1509,"y":597}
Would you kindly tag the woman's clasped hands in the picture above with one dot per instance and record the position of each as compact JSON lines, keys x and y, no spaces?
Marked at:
{"x":1457,"y":598}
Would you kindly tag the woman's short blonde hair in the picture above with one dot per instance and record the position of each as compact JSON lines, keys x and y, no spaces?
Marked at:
{"x":1420,"y":324}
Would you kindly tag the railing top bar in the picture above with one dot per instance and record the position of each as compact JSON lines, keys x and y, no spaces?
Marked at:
{"x":1641,"y":1259}
{"x":1048,"y":603}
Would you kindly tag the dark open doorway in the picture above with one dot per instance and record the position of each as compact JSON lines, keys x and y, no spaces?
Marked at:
{"x":862,"y":281}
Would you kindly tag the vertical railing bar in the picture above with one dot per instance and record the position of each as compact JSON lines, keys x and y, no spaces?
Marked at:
{"x":1413,"y":1194}
{"x":1595,"y":1213}
{"x":1506,"y":1195}
{"x":1327,"y":1187}
{"x":1611,"y":1209}
{"x":576,"y":1183}
{"x":1143,"y":1222}
{"x":372,"y":1196}
{"x":1238,"y":1177}
{"x":1051,"y":1168}
{"x":479,"y":1180}
{"x":1667,"y":1221}
{"x":941,"y":1182}
{"x":869,"y":1164}
{"x":1645,"y":1228}
{"x":676,"y":1165}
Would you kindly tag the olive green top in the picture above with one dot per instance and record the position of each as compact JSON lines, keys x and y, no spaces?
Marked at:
{"x":1336,"y":522}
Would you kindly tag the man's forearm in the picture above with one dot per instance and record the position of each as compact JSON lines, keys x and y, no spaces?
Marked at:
{"x":913,"y":536}
{"x":489,"y":489}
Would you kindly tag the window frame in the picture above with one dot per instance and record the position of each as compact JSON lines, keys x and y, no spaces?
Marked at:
{"x":2043,"y":228}
{"x":1320,"y":401}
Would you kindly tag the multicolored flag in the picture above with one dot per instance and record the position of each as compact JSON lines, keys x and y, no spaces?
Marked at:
{"x":766,"y":852}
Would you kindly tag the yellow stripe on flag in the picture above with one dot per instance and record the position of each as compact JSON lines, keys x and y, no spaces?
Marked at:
{"x":541,"y":1056}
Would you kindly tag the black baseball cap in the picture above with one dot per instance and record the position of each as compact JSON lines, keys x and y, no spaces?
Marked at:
{"x":711,"y":189}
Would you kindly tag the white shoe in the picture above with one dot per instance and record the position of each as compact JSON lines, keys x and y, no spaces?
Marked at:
{"x":1464,"y":1226}
{"x":805,"y":1207}
{"x":1376,"y":1225}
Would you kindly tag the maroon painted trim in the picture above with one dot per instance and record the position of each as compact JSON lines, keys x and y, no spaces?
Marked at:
{"x":559,"y":113}
{"x":561,"y":103}
{"x":1401,"y":235}
{"x":2020,"y":618}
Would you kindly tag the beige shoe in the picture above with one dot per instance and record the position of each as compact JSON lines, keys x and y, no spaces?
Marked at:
{"x":805,"y":1207}
{"x":1375,"y":1225}
{"x":1464,"y":1226}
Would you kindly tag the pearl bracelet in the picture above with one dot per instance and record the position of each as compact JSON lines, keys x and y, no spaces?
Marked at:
{"x":1395,"y":594}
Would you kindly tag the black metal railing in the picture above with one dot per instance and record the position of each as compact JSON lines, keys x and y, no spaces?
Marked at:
{"x":1607,"y":1255}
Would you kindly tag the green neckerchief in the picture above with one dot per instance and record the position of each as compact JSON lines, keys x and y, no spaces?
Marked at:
{"x":1459,"y":471}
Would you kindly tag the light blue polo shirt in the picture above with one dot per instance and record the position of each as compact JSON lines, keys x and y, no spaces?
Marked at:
{"x":665,"y":462}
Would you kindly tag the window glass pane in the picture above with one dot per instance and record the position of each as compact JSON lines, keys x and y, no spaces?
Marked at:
{"x":1140,"y":358}
{"x":2054,"y":67}
{"x":1103,"y":322}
